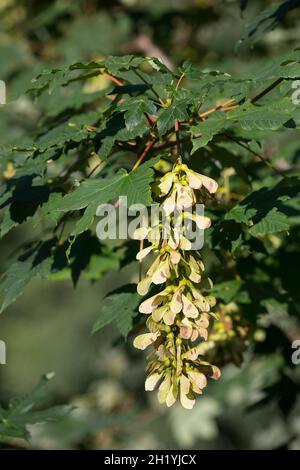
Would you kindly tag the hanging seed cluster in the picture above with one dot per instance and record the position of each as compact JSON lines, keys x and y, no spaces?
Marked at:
{"x":179,"y":315}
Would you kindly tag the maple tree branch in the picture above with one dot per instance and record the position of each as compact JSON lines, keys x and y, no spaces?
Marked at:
{"x":113,"y":79}
{"x":143,"y":155}
{"x":176,"y":127}
{"x":218,"y":107}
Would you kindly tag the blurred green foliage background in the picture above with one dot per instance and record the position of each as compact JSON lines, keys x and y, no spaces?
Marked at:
{"x":49,"y":328}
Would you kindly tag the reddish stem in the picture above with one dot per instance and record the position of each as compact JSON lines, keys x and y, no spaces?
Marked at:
{"x":114,"y":79}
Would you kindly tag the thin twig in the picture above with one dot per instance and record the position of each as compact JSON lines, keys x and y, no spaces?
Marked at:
{"x":229,"y":108}
{"x":232,"y":100}
{"x":143,"y":155}
{"x":113,"y":79}
{"x":218,"y":107}
{"x":149,"y":120}
{"x":176,"y":127}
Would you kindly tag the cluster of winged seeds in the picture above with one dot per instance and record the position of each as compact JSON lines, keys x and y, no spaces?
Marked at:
{"x":179,"y":315}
